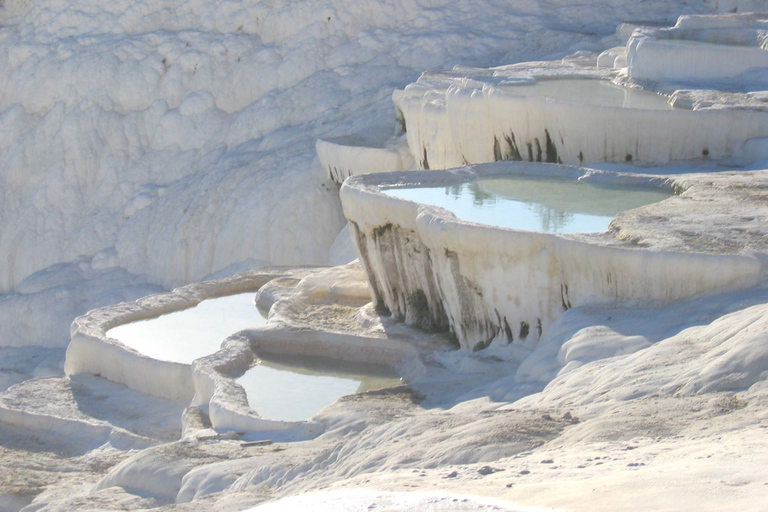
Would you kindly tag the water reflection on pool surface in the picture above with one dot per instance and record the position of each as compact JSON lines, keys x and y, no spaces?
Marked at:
{"x":189,"y":334}
{"x":533,"y":204}
{"x":295,"y":388}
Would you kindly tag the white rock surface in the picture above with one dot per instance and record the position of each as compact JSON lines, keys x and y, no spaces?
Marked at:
{"x":700,"y":49}
{"x":460,"y":117}
{"x":169,"y":130}
{"x":493,"y":285}
{"x":343,"y":249}
{"x":345,"y":157}
{"x":43,"y":306}
{"x":176,"y":140}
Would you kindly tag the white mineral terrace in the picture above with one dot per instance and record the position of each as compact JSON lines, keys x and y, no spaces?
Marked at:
{"x":687,"y":61}
{"x":285,"y":389}
{"x":488,"y":284}
{"x":699,"y":49}
{"x":212,"y":356}
{"x":153,"y":360}
{"x":343,"y":157}
{"x":494,"y":115}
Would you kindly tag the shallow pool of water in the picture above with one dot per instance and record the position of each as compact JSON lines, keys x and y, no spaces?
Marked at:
{"x":592,"y":92}
{"x":295,"y":388}
{"x":533,"y":204}
{"x":189,"y":334}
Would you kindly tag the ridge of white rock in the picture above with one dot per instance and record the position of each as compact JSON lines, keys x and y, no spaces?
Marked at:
{"x":357,"y":499}
{"x":699,"y":49}
{"x":476,"y":116}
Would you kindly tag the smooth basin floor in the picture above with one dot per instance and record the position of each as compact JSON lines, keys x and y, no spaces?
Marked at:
{"x":592,"y":92}
{"x":531,"y":204}
{"x":295,"y":388}
{"x":183,"y":336}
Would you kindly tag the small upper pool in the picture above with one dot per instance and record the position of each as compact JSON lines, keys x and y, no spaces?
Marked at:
{"x":295,"y":388}
{"x":189,"y":334}
{"x":591,"y":92}
{"x":534,"y":204}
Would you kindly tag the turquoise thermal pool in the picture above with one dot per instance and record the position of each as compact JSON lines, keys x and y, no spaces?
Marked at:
{"x":534,"y":204}
{"x":591,"y":92}
{"x":189,"y":334}
{"x":295,"y":388}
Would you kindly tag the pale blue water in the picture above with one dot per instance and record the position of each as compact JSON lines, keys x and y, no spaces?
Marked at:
{"x":532,"y":204}
{"x":189,"y":334}
{"x":592,"y":92}
{"x":296,"y":388}
{"x":287,"y":388}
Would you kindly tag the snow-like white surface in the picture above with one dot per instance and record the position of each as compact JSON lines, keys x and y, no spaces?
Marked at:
{"x":343,"y":249}
{"x":86,"y":412}
{"x":741,"y":6}
{"x":43,"y":306}
{"x":689,"y":61}
{"x":18,"y":364}
{"x":583,"y":335}
{"x":488,"y":284}
{"x":731,"y":351}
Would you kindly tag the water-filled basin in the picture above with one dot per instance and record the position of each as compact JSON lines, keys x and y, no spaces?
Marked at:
{"x":183,"y":336}
{"x":533,"y":204}
{"x":592,"y":92}
{"x":295,"y":388}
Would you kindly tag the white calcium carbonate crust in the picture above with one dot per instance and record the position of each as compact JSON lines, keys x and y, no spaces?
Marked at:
{"x":182,"y":133}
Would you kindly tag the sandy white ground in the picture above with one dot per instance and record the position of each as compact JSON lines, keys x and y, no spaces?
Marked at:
{"x":168,"y":140}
